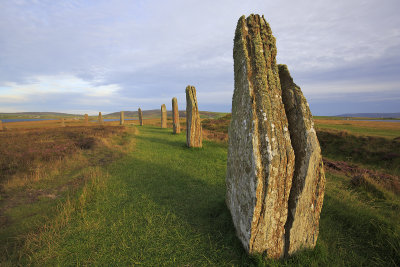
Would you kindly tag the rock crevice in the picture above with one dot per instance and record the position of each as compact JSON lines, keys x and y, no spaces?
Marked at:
{"x":261,"y":157}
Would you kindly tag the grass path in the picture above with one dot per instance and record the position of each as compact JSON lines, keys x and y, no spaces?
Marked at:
{"x":164,"y":205}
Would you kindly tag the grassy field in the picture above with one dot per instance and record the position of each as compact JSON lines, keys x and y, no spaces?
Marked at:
{"x":160,"y":203}
{"x":41,"y":167}
{"x":384,"y":129}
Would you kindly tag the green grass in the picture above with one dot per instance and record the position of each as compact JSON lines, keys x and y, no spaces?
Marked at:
{"x":360,"y":130}
{"x":164,"y":204}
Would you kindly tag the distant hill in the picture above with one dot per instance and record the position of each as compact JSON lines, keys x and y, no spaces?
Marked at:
{"x":33,"y":115}
{"x":371,"y":115}
{"x":155,"y":113}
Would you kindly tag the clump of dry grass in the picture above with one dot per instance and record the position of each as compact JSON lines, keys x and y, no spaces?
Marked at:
{"x":48,"y":164}
{"x":27,"y":151}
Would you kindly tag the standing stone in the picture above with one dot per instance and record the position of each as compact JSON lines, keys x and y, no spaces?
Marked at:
{"x":194,"y":136}
{"x":260,"y":155}
{"x":62,"y":122}
{"x":86,"y":119}
{"x":163,"y":116}
{"x":175,"y":116}
{"x":140,"y":117}
{"x":1,"y":126}
{"x":121,"y":118}
{"x":308,"y":184}
{"x":101,"y":119}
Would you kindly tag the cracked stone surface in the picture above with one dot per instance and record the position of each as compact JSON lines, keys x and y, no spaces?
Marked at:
{"x":308,"y":184}
{"x":275,"y":179}
{"x":176,"y":126}
{"x":140,"y":117}
{"x":194,"y":136}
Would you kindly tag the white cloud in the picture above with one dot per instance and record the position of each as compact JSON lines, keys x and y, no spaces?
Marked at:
{"x":109,"y":52}
{"x":64,"y":83}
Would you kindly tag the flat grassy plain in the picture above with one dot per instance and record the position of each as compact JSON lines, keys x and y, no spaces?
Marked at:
{"x":161,"y":203}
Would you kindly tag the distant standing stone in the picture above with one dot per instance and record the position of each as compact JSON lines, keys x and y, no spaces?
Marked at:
{"x":194,"y":136}
{"x":1,"y":126}
{"x":62,"y":122}
{"x":163,"y":116}
{"x":100,"y":119}
{"x":140,"y":117}
{"x":175,"y":116}
{"x":260,"y":156}
{"x":86,"y":119}
{"x":121,"y":118}
{"x":308,"y":184}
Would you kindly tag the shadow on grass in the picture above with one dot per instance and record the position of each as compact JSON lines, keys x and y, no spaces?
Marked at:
{"x":200,"y":204}
{"x":191,"y":184}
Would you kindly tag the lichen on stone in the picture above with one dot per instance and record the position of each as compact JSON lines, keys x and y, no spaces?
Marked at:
{"x":163,"y":116}
{"x":194,"y":136}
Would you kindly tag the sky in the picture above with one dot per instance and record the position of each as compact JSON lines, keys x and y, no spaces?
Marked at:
{"x":89,"y":56}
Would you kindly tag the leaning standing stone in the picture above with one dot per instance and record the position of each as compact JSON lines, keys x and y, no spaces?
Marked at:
{"x":194,"y":136}
{"x":121,"y":118}
{"x":140,"y":117}
{"x":260,"y":156}
{"x":308,"y":184}
{"x":163,"y":116}
{"x":100,"y":118}
{"x":175,"y":116}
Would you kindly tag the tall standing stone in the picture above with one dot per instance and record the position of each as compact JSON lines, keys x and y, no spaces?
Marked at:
{"x":121,"y":118}
{"x":1,"y":126}
{"x":140,"y":117}
{"x":86,"y":119}
{"x":62,"y":122}
{"x":101,"y":119}
{"x":194,"y":136}
{"x":163,"y":116}
{"x":308,"y":184}
{"x":175,"y":117}
{"x":260,"y":156}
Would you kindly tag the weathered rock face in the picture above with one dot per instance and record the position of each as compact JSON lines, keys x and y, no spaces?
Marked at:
{"x":140,"y":117}
{"x":163,"y":116}
{"x":260,"y":155}
{"x":175,"y":117}
{"x":308,"y":184}
{"x":121,"y":118}
{"x":86,"y":119}
{"x":62,"y":122}
{"x":100,"y":118}
{"x":194,"y":137}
